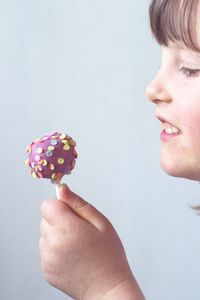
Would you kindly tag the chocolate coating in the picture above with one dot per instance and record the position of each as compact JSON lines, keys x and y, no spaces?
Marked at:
{"x":52,"y":156}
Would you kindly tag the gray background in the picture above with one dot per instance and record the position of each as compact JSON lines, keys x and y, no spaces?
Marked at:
{"x":81,"y":67}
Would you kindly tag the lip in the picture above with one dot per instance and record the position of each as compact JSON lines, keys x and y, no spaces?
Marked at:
{"x":163,"y":120}
{"x":164,"y":136}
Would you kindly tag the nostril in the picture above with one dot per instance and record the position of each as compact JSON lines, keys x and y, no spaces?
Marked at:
{"x":156,"y":101}
{"x":157,"y":92}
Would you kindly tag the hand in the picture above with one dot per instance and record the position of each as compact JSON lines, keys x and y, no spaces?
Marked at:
{"x":81,"y":253}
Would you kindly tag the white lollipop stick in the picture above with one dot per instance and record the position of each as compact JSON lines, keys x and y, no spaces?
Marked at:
{"x":57,"y":189}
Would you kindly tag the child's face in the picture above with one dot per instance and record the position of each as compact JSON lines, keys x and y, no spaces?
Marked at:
{"x":176,"y":92}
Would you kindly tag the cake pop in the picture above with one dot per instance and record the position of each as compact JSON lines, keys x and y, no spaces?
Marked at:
{"x":52,"y":156}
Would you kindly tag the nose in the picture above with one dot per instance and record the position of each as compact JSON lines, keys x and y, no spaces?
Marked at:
{"x":158,"y":90}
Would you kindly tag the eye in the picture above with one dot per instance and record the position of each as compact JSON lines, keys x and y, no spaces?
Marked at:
{"x":190,"y":72}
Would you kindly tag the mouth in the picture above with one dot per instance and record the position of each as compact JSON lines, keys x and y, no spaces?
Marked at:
{"x":168,"y":129}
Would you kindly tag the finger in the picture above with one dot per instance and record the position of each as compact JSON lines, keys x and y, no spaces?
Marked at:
{"x":55,"y":212}
{"x":82,"y":208}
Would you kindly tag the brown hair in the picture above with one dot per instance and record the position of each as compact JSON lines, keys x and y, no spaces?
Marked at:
{"x":174,"y":21}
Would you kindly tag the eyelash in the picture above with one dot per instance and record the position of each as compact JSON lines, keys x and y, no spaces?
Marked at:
{"x":190,"y":72}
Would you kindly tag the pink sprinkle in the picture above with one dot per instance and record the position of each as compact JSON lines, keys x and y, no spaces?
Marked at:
{"x":37,"y":158}
{"x":40,"y":175}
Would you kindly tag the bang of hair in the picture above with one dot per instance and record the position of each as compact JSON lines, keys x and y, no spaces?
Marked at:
{"x":174,"y":21}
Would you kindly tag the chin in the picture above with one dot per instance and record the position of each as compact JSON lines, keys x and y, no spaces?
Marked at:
{"x":174,"y":169}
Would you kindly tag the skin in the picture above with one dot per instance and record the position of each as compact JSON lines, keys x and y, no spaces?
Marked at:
{"x":175,"y":91}
{"x":81,"y":253}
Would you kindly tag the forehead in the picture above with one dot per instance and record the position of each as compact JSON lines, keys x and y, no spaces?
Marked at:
{"x":180,"y":51}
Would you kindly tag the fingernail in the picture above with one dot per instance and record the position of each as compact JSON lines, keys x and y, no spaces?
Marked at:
{"x":63,"y":188}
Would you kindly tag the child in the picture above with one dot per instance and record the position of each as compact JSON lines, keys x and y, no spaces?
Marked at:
{"x":176,"y":88}
{"x":81,"y":253}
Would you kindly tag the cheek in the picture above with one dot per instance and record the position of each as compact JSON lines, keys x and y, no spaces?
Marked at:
{"x":181,"y":157}
{"x":191,"y":128}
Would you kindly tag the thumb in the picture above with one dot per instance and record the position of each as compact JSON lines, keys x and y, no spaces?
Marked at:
{"x":82,"y":208}
{"x":56,"y":212}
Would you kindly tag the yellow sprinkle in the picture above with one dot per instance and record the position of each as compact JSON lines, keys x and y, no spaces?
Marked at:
{"x":27,"y":162}
{"x":54,"y":136}
{"x":51,"y":148}
{"x":34,"y":175}
{"x":38,"y":168}
{"x":51,"y":167}
{"x":44,"y":163}
{"x":72,"y":142}
{"x":39,"y":150}
{"x":61,"y":161}
{"x":65,"y":142}
{"x":62,"y":137}
{"x":53,"y":176}
{"x":66,"y":147}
